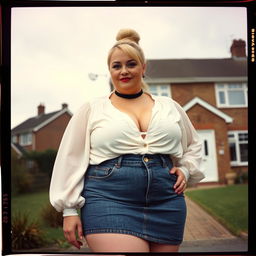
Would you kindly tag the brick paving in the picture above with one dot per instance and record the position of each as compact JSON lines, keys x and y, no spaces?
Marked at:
{"x":204,"y":234}
{"x":202,"y":226}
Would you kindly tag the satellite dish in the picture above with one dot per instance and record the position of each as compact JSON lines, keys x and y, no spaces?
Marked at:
{"x":93,"y":76}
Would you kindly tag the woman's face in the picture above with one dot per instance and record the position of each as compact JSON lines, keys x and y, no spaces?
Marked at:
{"x":126,"y":73}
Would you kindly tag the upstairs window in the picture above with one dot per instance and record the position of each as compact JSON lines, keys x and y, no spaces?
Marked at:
{"x":238,"y":144}
{"x":231,"y":95}
{"x":25,"y":139}
{"x":160,"y":90}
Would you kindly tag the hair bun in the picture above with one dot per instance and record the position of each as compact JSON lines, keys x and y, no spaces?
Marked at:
{"x":128,"y":34}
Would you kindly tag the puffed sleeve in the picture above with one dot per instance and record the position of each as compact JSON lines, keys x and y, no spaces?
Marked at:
{"x":191,"y":161}
{"x":71,"y":163}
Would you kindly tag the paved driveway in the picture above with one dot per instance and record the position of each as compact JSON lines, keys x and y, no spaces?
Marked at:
{"x":204,"y":234}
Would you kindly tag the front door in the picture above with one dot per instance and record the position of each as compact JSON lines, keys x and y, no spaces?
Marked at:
{"x":209,"y":155}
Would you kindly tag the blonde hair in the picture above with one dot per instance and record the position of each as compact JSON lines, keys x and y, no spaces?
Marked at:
{"x":128,"y":42}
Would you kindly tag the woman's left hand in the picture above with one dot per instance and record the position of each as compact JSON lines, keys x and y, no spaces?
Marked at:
{"x":181,"y":183}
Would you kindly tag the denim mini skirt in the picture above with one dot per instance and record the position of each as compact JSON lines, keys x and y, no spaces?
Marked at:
{"x":133,"y":194}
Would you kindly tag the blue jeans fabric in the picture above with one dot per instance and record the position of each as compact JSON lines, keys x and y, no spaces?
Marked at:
{"x":133,"y":194}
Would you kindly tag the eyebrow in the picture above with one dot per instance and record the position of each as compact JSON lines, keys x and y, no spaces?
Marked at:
{"x":117,"y":62}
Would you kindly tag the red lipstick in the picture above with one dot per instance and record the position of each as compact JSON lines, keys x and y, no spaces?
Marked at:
{"x":125,"y":79}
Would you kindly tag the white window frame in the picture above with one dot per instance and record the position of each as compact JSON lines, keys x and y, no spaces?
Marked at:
{"x":159,"y":90}
{"x":237,"y":143}
{"x":14,"y":138}
{"x":25,"y":139}
{"x":226,"y":89}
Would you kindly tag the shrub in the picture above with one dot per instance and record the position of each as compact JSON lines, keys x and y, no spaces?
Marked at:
{"x":21,"y":181}
{"x":61,"y":243}
{"x":21,"y":178}
{"x":26,"y":235}
{"x":245,"y":177}
{"x":242,"y":178}
{"x":51,"y":216}
{"x":44,"y":160}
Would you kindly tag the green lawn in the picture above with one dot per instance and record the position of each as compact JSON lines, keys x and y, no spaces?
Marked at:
{"x":32,"y":204}
{"x":229,"y":205}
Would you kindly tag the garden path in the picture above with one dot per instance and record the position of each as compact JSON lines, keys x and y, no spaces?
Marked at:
{"x":202,"y":226}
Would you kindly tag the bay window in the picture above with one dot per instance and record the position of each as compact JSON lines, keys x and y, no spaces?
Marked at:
{"x":238,"y":144}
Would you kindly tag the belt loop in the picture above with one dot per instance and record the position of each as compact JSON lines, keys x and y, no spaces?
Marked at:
{"x":119,"y":161}
{"x":163,"y":161}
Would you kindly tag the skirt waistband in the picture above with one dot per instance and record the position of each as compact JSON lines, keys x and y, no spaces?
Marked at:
{"x":139,"y":160}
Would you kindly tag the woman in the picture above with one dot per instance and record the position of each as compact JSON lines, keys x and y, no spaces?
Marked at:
{"x":125,"y":160}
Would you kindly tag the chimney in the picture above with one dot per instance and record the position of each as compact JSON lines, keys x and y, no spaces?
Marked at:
{"x":64,"y":105}
{"x":237,"y":49}
{"x":40,"y":109}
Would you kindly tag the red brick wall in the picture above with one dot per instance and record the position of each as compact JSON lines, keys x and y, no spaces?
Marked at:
{"x":49,"y":137}
{"x":183,"y":93}
{"x":240,"y":115}
{"x":203,"y":119}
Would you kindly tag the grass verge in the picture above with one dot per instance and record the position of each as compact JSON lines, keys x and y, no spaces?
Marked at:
{"x":33,"y":204}
{"x":229,"y":205}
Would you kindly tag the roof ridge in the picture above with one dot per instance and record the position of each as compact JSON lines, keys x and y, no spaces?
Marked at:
{"x":45,"y":114}
{"x":196,"y":59}
{"x":194,"y":68}
{"x":35,"y":121}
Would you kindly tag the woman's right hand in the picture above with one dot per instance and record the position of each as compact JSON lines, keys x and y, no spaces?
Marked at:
{"x":71,"y":225}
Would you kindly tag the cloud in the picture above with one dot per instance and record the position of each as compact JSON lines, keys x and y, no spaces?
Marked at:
{"x":54,"y":49}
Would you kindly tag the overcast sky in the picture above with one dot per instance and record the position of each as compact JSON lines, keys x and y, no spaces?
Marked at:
{"x":53,"y":49}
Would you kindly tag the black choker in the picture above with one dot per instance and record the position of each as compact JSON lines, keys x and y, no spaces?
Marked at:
{"x":129,"y":96}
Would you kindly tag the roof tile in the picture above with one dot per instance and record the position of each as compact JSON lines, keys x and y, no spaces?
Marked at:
{"x":33,"y":122}
{"x":180,"y":68}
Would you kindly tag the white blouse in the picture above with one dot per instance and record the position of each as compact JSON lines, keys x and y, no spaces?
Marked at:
{"x":98,"y":131}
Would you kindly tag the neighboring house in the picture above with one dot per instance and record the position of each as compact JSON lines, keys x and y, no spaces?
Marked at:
{"x":18,"y":150}
{"x":213,"y":92}
{"x":40,"y":132}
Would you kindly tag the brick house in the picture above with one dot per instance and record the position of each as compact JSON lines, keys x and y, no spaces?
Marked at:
{"x":41,"y":132}
{"x":213,"y":92}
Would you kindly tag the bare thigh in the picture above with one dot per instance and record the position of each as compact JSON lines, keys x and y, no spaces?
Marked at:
{"x":154,"y":247}
{"x":112,"y":242}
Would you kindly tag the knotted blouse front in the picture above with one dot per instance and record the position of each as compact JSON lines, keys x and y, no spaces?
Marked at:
{"x":113,"y":132}
{"x":99,"y":131}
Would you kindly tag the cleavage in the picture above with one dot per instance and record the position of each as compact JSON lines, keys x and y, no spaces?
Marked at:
{"x":140,"y":114}
{"x":141,"y":121}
